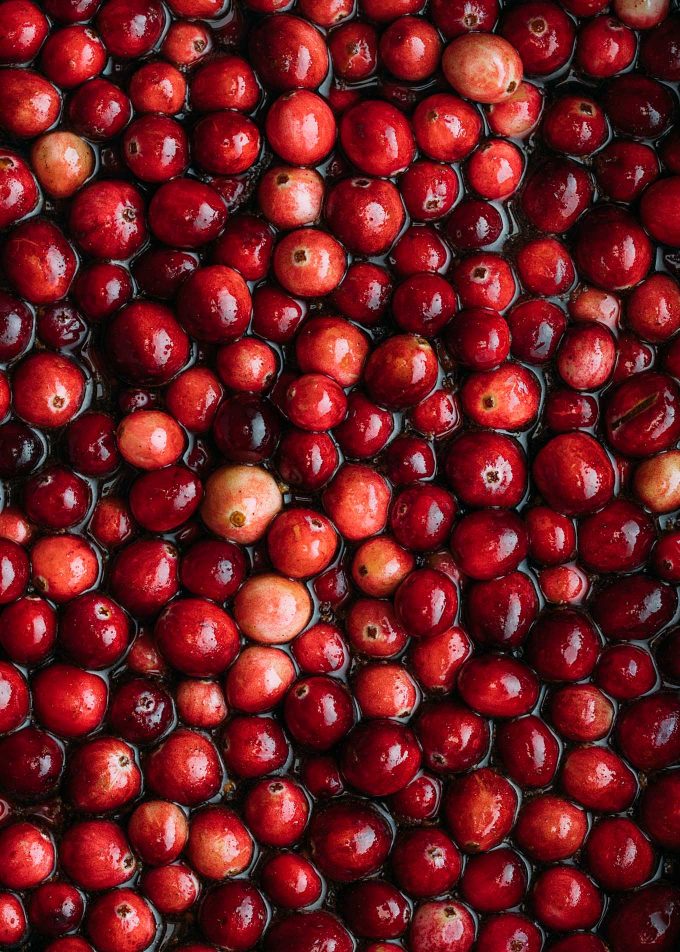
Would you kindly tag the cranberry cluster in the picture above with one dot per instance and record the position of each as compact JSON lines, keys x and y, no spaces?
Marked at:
{"x":339,"y":475}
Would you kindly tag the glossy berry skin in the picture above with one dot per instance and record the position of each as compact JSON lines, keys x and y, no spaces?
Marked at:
{"x":339,"y":475}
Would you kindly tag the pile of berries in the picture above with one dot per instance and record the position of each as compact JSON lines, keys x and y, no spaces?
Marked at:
{"x":339,"y":475}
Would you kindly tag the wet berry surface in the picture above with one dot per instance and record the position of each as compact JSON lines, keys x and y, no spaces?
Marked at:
{"x":339,"y":476}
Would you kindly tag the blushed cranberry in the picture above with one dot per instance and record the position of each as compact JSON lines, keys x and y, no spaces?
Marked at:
{"x":219,"y":844}
{"x":121,"y":920}
{"x":240,"y":502}
{"x":111,"y":523}
{"x":102,"y":775}
{"x":186,"y":43}
{"x":401,"y":371}
{"x":309,"y":262}
{"x":172,"y":889}
{"x":550,"y":828}
{"x":38,"y":261}
{"x":373,"y":628}
{"x":63,"y":567}
{"x":446,"y":127}
{"x":272,"y":609}
{"x":581,"y":713}
{"x":598,"y":779}
{"x":505,"y":398}
{"x":30,"y":104}
{"x":19,"y":189}
{"x":528,"y":751}
{"x":480,"y":809}
{"x":158,"y":831}
{"x":442,"y":924}
{"x":28,"y":855}
{"x":157,"y":87}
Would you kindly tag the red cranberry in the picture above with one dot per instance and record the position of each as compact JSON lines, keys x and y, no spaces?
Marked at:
{"x":529,"y":751}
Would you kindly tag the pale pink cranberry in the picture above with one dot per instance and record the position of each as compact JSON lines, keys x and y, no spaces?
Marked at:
{"x":219,"y":845}
{"x":483,"y":67}
{"x":240,"y":502}
{"x":272,"y":609}
{"x":62,"y":162}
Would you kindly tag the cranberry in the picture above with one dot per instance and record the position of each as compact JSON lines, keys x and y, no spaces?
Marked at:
{"x":482,"y":67}
{"x":529,"y":751}
{"x":564,"y":898}
{"x":652,"y":912}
